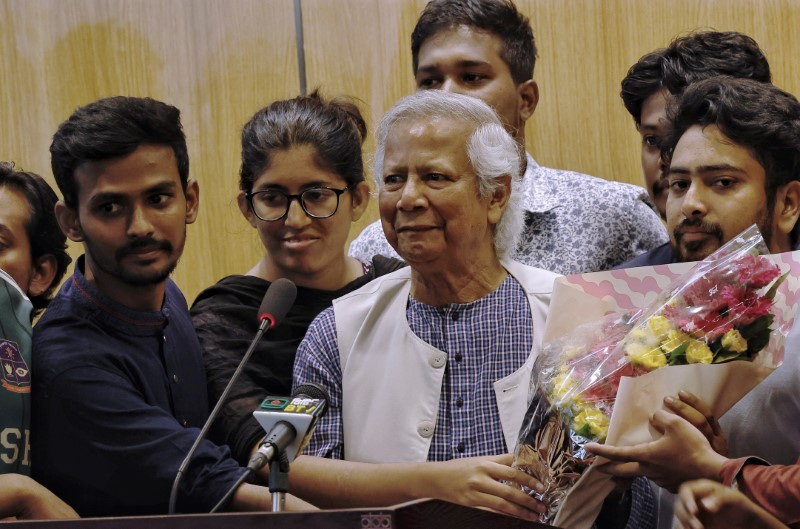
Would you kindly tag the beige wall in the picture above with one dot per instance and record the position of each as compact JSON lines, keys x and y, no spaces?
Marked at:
{"x":220,"y":60}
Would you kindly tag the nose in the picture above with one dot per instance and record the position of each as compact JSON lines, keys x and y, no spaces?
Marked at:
{"x":412,"y":196}
{"x":450,"y":85}
{"x":693,"y":203}
{"x":296,"y":217}
{"x":140,"y":225}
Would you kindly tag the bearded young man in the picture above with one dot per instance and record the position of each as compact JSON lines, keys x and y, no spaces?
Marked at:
{"x":120,"y":391}
{"x":733,"y":160}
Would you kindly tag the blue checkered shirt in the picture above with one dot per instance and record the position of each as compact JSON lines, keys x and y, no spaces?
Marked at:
{"x":485,"y":341}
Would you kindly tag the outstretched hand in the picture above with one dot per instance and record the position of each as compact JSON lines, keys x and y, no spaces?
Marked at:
{"x":681,"y":453}
{"x":705,"y":504}
{"x":481,"y":482}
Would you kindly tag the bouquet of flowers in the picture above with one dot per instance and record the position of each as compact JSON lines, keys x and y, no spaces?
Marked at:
{"x":719,"y":312}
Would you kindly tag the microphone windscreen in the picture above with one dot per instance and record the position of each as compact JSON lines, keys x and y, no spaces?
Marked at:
{"x":312,"y":391}
{"x":278,"y":300}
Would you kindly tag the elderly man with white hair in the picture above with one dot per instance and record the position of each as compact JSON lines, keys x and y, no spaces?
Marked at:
{"x":431,"y":363}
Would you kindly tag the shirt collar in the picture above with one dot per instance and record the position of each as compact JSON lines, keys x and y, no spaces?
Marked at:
{"x":133,"y":321}
{"x":539,"y":193}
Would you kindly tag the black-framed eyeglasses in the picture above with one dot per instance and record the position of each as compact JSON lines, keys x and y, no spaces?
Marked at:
{"x":317,"y":202}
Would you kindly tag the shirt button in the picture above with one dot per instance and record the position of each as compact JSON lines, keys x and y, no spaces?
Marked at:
{"x":459,"y":402}
{"x":165,"y":339}
{"x":458,"y":357}
{"x":185,"y":423}
{"x":425,"y":429}
{"x":175,"y":378}
{"x":461,"y":447}
{"x":455,"y":316}
{"x":438,"y":360}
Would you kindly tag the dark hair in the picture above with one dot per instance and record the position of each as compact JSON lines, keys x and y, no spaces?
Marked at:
{"x":692,"y":58}
{"x":334,"y":128}
{"x":498,"y":17}
{"x":758,"y":116}
{"x":110,"y":128}
{"x":44,"y":235}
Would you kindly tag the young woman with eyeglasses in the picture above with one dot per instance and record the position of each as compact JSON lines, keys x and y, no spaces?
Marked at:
{"x":301,"y":186}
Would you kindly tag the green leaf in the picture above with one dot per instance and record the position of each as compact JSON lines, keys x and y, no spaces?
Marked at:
{"x":677,"y":357}
{"x":724,"y":355}
{"x":757,"y":343}
{"x":758,"y":327}
{"x":584,"y":431}
{"x":774,"y":288}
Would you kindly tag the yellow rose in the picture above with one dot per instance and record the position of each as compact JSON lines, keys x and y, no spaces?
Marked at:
{"x":734,"y":341}
{"x":673,"y":339}
{"x":563,"y":386}
{"x":595,"y":419}
{"x":574,"y":352}
{"x":660,"y":326}
{"x":698,"y":353}
{"x":639,"y":334}
{"x":641,"y":355}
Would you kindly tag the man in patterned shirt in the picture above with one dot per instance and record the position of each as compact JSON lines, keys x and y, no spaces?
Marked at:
{"x":428,"y":368}
{"x":574,"y":223}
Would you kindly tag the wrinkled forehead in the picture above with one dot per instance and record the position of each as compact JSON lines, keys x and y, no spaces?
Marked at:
{"x":438,"y":137}
{"x":439,"y":128}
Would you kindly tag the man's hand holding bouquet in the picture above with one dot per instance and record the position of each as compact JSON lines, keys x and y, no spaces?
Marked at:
{"x":605,"y":380}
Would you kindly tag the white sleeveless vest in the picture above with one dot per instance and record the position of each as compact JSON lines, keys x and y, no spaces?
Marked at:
{"x":392,"y":380}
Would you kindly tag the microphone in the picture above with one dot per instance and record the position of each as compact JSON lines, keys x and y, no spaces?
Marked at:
{"x":289,"y":423}
{"x":277,"y":301}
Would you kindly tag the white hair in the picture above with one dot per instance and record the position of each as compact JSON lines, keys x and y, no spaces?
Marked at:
{"x":492,"y":152}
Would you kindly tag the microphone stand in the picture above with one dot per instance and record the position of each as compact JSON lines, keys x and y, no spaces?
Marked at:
{"x":266,"y":323}
{"x":279,"y":481}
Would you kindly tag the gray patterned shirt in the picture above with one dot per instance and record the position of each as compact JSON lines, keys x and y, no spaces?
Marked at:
{"x":574,"y":223}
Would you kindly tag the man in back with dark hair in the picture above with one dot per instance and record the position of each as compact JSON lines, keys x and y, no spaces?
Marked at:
{"x":574,"y":223}
{"x":662,"y":74}
{"x":696,"y":230}
{"x":119,"y":387}
{"x":33,"y":260}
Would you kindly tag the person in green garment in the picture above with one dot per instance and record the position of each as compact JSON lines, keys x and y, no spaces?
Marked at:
{"x":33,"y":260}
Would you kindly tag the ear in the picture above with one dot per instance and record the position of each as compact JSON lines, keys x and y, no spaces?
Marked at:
{"x":787,"y":209}
{"x":68,"y":221}
{"x":528,"y":93}
{"x":192,"y":200}
{"x":359,"y":201}
{"x":499,"y":199}
{"x":44,"y":271}
{"x":244,"y":207}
